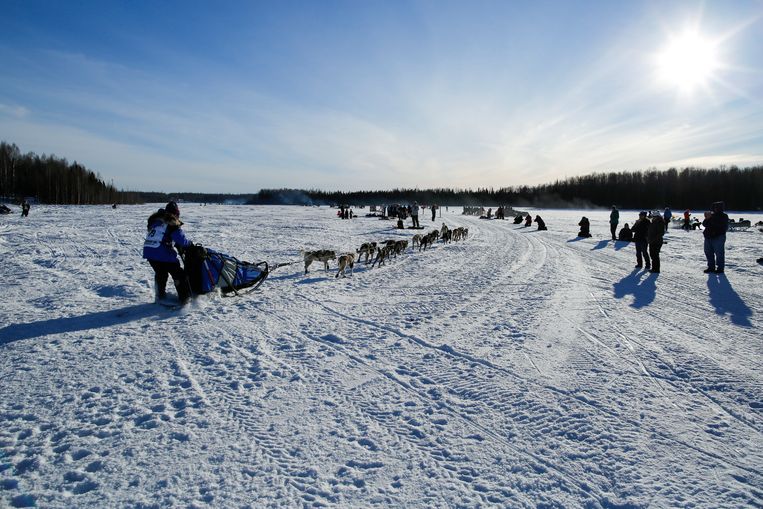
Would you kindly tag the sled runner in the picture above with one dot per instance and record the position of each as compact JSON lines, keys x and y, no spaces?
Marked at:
{"x":209,"y":269}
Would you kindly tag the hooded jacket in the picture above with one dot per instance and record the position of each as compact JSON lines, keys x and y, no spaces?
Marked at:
{"x":639,"y":229}
{"x":717,"y":224}
{"x":164,"y":233}
{"x":656,"y":230}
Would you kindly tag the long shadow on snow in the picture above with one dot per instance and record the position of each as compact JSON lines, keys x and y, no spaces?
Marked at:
{"x":619,"y":244}
{"x":643,"y":290}
{"x":601,"y":244}
{"x":576,"y":239}
{"x":727,"y":302}
{"x":17,"y":332}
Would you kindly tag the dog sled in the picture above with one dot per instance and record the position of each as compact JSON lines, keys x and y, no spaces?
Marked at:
{"x":209,"y":270}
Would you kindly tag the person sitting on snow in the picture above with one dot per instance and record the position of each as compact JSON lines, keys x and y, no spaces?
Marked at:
{"x":528,"y":220}
{"x":585,"y":227}
{"x":164,"y":234}
{"x":541,"y":223}
{"x":625,"y":234}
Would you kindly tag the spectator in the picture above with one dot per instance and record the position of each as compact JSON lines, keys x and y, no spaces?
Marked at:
{"x":654,"y":235}
{"x":625,"y":234}
{"x":666,"y":216}
{"x":614,"y":218}
{"x":585,"y":227}
{"x":716,"y":225}
{"x":639,"y":230}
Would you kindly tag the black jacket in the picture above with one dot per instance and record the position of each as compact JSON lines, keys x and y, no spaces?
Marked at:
{"x":639,"y":230}
{"x":716,"y":225}
{"x":656,"y":230}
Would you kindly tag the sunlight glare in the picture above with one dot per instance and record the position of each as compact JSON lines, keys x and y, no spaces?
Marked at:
{"x":688,"y":61}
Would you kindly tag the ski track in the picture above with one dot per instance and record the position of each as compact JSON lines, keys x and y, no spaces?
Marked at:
{"x":511,"y":369}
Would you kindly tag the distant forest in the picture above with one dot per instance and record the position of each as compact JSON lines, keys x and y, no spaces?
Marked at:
{"x":49,"y":179}
{"x":741,"y":189}
{"x":56,"y":181}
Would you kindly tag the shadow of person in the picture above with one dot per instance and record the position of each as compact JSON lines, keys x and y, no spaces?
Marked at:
{"x":619,"y":244}
{"x":19,"y":331}
{"x":642,"y":289}
{"x":311,"y":280}
{"x":576,"y":239}
{"x":727,"y":302}
{"x":601,"y":244}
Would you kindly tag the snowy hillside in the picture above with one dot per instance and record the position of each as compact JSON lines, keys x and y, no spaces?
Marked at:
{"x":514,"y":369}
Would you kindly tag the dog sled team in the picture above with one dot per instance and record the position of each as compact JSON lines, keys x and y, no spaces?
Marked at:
{"x":377,"y":253}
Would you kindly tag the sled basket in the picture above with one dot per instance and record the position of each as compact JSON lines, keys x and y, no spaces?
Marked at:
{"x":209,"y":269}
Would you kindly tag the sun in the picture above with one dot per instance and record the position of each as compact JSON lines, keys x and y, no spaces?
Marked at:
{"x":688,"y":61}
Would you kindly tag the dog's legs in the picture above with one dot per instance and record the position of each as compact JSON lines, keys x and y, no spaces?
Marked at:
{"x":307,"y":264}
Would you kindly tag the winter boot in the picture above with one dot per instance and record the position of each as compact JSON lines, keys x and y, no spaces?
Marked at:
{"x":183,"y":287}
{"x":160,"y":288}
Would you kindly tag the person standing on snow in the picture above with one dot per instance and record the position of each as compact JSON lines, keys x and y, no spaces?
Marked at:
{"x":164,"y":234}
{"x":654,"y":235}
{"x":614,"y":219}
{"x":716,"y":225}
{"x":434,"y":212}
{"x":415,"y":215}
{"x":639,"y":230}
{"x":667,"y":216}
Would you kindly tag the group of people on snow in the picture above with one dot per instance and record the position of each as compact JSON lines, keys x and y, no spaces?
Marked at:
{"x":649,"y":229}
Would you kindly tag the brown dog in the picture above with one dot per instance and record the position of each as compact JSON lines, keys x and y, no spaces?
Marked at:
{"x":322,"y":255}
{"x":367,"y":248}
{"x":346,"y":260}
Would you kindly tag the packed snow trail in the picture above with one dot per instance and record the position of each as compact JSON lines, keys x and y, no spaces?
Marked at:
{"x":513,"y":369}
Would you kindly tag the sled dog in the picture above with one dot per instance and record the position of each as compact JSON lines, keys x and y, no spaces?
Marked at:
{"x":322,"y":255}
{"x":367,"y":248}
{"x":346,"y":260}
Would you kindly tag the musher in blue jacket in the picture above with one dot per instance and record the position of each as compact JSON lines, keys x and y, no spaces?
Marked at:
{"x":164,"y":234}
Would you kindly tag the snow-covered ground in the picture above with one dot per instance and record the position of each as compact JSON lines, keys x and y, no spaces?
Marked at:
{"x":515,"y":369}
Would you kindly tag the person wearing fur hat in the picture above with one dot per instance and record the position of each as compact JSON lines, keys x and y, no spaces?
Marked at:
{"x":716,"y":225}
{"x":165,"y":233}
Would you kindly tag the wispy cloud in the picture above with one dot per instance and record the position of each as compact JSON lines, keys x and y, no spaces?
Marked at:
{"x":451,"y":115}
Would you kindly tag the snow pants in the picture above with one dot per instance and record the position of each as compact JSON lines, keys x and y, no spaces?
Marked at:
{"x":715,"y":252}
{"x":415,"y":220}
{"x":162,"y":270}
{"x":641,"y":254}
{"x":654,"y":252}
{"x":613,"y":229}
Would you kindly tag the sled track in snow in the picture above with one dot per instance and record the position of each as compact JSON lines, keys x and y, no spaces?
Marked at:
{"x":712,"y":370}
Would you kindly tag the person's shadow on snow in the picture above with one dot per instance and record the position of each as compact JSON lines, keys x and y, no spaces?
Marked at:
{"x":601,"y":244}
{"x":619,"y":244}
{"x":642,"y":289}
{"x":19,"y":331}
{"x":727,"y":302}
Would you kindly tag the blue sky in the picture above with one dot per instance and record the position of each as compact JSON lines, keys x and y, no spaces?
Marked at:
{"x":237,"y":96}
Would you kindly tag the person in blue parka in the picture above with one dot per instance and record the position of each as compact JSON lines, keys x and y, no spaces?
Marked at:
{"x":164,"y":234}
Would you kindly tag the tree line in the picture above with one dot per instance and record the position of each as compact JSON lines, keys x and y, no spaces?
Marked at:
{"x":693,"y":188}
{"x":50,"y":179}
{"x":54,"y":180}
